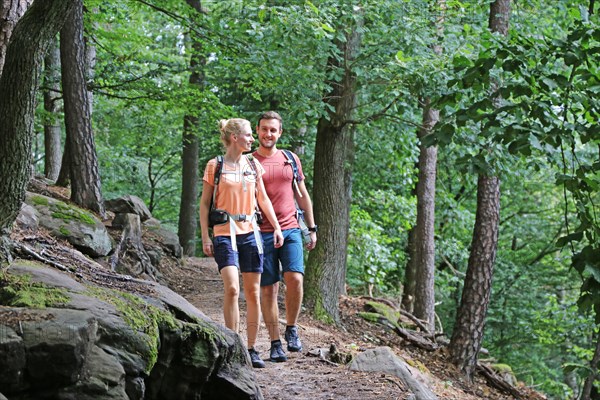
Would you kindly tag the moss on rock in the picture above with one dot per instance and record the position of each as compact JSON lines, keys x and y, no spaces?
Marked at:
{"x":140,"y":316}
{"x":19,"y":291}
{"x":66,"y":212}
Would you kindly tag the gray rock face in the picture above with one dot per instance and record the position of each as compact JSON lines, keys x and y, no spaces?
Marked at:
{"x":71,"y":223}
{"x":101,"y":343}
{"x":129,"y":205}
{"x":27,"y":218}
{"x":166,"y":238}
{"x":383,"y":359}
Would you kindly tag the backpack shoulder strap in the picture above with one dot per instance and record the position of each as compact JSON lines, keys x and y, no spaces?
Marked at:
{"x":290,"y":158}
{"x":218,"y":169}
{"x":292,"y":161}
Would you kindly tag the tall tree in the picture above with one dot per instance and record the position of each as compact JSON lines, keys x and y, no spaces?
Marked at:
{"x":424,"y":242}
{"x":18,"y":84}
{"x":10,"y":12}
{"x":85,"y":177}
{"x":188,"y":208}
{"x":52,"y":131}
{"x":470,"y":320}
{"x":334,"y":158}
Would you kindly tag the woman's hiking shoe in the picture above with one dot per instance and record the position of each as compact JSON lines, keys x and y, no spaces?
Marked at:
{"x":277,"y":353}
{"x":293,"y":341}
{"x":255,"y":358}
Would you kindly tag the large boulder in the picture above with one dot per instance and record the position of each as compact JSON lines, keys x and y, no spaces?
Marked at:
{"x":163,"y":238}
{"x":62,"y":338}
{"x":77,"y":226}
{"x":129,"y":205}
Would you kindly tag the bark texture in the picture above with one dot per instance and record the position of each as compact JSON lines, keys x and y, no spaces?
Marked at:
{"x":334,"y":156}
{"x":52,"y":95}
{"x":470,"y":320}
{"x":18,"y":85}
{"x":10,"y":12}
{"x":468,"y":329}
{"x":85,"y":177}
{"x":424,"y":241}
{"x":425,"y":228}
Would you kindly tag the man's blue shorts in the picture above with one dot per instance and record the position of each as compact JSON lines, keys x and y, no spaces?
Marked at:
{"x":290,"y":254}
{"x":247,"y":258}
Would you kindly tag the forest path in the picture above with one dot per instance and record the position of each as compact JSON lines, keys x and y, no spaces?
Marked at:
{"x":302,"y":377}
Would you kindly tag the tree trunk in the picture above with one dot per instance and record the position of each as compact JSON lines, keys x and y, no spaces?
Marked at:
{"x":30,"y":39}
{"x":52,"y":131}
{"x":64,"y":176}
{"x":85,"y":178}
{"x":470,"y":319}
{"x":425,"y":226}
{"x":424,"y":241}
{"x":10,"y":12}
{"x":410,"y":274}
{"x":334,"y":157}
{"x":188,"y":208}
{"x":586,"y":392}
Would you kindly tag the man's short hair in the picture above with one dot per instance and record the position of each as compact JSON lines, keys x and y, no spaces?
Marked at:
{"x":271,"y":115}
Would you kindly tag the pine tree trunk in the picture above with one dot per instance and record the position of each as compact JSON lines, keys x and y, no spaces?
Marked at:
{"x":334,"y":157}
{"x":10,"y":13}
{"x":425,"y":227}
{"x":85,"y":177}
{"x":470,"y":319}
{"x":468,"y":329}
{"x":52,"y":131}
{"x":18,"y":85}
{"x":188,"y":208}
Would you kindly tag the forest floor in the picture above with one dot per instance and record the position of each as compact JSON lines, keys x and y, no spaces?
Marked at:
{"x":308,"y":377}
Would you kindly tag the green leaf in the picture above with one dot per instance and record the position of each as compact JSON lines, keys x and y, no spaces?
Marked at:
{"x":575,"y":236}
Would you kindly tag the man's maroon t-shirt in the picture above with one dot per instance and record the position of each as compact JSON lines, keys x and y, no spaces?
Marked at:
{"x":278,"y":178}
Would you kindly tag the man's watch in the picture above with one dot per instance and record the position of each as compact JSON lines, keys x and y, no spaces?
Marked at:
{"x":313,"y":229}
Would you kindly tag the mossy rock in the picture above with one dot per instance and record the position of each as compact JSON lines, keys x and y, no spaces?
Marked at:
{"x":382,"y":309}
{"x":19,"y":291}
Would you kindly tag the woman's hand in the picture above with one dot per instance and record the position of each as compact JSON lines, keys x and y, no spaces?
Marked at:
{"x":207,"y":248}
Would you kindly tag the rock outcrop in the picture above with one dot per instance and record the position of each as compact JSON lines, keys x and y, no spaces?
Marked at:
{"x":63,"y":336}
{"x":66,"y":221}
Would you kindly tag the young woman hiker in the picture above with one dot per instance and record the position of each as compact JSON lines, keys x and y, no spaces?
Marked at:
{"x":232,"y":186}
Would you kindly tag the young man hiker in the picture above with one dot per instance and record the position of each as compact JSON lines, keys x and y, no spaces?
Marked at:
{"x":284,"y":183}
{"x":232,"y":186}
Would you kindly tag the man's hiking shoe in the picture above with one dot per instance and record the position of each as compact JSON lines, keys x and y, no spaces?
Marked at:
{"x":255,"y":358}
{"x":293,"y":341}
{"x":277,"y":353}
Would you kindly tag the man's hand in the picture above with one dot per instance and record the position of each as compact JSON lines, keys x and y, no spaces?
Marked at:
{"x":313,"y":241}
{"x":277,"y":238}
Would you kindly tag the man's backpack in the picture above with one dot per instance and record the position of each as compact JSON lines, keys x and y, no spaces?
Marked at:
{"x":292,"y":161}
{"x":299,"y":212}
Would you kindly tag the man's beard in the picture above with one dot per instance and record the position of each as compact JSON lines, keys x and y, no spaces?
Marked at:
{"x":269,"y":146}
